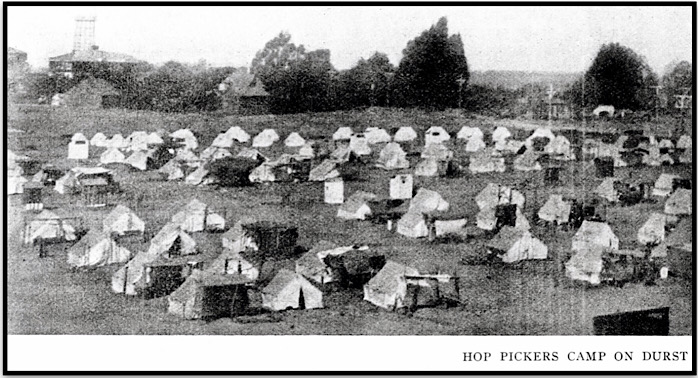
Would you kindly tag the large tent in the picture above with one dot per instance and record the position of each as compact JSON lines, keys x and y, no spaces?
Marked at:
{"x":594,"y":234}
{"x":212,"y":153}
{"x":405,"y":134}
{"x":388,"y":288}
{"x":290,"y":290}
{"x":401,"y":187}
{"x":170,"y":239}
{"x":392,"y":157}
{"x":513,"y":245}
{"x":97,"y":248}
{"x":48,"y":225}
{"x":122,"y":220}
{"x":427,"y":201}
{"x":265,"y":139}
{"x":209,"y":296}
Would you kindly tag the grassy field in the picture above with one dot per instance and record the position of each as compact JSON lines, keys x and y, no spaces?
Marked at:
{"x":46,"y":297}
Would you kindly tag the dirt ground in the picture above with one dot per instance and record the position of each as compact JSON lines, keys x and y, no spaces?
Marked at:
{"x":46,"y":297}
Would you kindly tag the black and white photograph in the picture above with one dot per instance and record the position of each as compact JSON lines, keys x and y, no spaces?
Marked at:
{"x":178,"y":176}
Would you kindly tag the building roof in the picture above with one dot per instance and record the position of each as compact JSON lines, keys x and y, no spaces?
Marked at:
{"x":94,"y":56}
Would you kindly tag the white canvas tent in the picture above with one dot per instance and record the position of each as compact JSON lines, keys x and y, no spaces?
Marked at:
{"x":223,"y":140}
{"x":311,"y":266}
{"x":528,"y":161}
{"x":265,"y":139}
{"x":427,"y":201}
{"x":111,"y":156}
{"x":342,"y":133}
{"x":172,"y":170}
{"x":334,"y":191}
{"x":586,"y":265}
{"x":652,"y":232}
{"x":306,"y":151}
{"x":197,"y":176}
{"x":138,"y":160}
{"x":437,"y":151}
{"x":116,"y":141}
{"x":555,"y":210}
{"x":486,"y":219}
{"x":294,"y":140}
{"x":513,"y":245}
{"x":501,"y":134}
{"x":405,"y":134}
{"x":79,"y":147}
{"x":263,"y":173}
{"x":687,"y":156}
{"x":188,"y":138}
{"x":468,"y":133}
{"x":486,"y":161}
{"x":392,"y":157}
{"x":99,"y":140}
{"x":606,"y":190}
{"x":324,"y":171}
{"x":290,"y":290}
{"x":388,"y":288}
{"x":413,"y":225}
{"x":436,"y":134}
{"x":196,"y":216}
{"x":594,"y":234}
{"x":356,"y":206}
{"x":375,"y":135}
{"x":15,"y":183}
{"x":679,"y":203}
{"x":560,"y":148}
{"x":154,"y":138}
{"x":539,"y":133}
{"x":664,"y":185}
{"x":358,"y":144}
{"x":122,"y":220}
{"x":684,"y":142}
{"x":238,"y":134}
{"x":48,"y":225}
{"x":137,"y":141}
{"x":401,"y":187}
{"x":495,"y":194}
{"x":97,"y":248}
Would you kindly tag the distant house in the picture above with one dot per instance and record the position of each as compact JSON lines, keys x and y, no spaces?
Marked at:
{"x":85,"y":63}
{"x":243,"y":93}
{"x":557,"y":108}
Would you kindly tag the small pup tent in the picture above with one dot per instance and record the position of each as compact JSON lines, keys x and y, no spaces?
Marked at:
{"x":679,"y":203}
{"x":79,"y":147}
{"x":98,"y":140}
{"x":238,"y":134}
{"x":388,"y":288}
{"x":376,"y":135}
{"x":342,"y":133}
{"x":653,"y":231}
{"x":111,"y":156}
{"x":405,"y":134}
{"x":501,"y":134}
{"x":356,"y":206}
{"x":664,"y":185}
{"x":172,"y":170}
{"x":97,"y":248}
{"x":594,"y":234}
{"x":294,"y":140}
{"x":265,"y":139}
{"x":555,"y":210}
{"x":290,"y":290}
{"x":187,"y":138}
{"x":358,"y":144}
{"x":427,"y":201}
{"x":209,"y":296}
{"x":122,"y":220}
{"x":435,"y":134}
{"x":392,"y":157}
{"x":513,"y":245}
{"x":468,"y":133}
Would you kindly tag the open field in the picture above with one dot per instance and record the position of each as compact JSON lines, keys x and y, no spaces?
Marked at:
{"x":45,"y":297}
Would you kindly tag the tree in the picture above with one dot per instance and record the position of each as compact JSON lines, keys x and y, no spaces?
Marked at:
{"x":432,"y":65}
{"x":678,"y":80}
{"x":296,"y":80}
{"x":619,"y":77}
{"x":367,"y":83}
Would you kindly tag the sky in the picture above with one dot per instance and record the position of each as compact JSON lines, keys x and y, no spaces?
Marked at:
{"x":534,"y":38}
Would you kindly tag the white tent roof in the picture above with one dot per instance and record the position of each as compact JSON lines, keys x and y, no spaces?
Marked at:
{"x":79,"y":137}
{"x":342,"y":133}
{"x":98,"y":140}
{"x":294,"y":140}
{"x":426,"y":201}
{"x":187,"y":135}
{"x":501,"y":133}
{"x":555,"y":209}
{"x":436,"y":151}
{"x":467,"y":133}
{"x":223,"y":140}
{"x":376,"y":135}
{"x":392,"y":157}
{"x":594,"y":234}
{"x":436,"y":134}
{"x":405,"y":134}
{"x":111,"y":155}
{"x":494,"y":194}
{"x":265,"y":139}
{"x":517,"y":244}
{"x":237,"y":133}
{"x":679,"y":203}
{"x":652,"y":232}
{"x":684,"y":142}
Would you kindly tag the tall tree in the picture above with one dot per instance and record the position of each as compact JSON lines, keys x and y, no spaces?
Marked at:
{"x":678,"y":80}
{"x":433,"y":71}
{"x":367,"y":83}
{"x":619,"y":77}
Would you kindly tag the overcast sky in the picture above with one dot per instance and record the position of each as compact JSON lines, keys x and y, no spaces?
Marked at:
{"x":563,"y":39}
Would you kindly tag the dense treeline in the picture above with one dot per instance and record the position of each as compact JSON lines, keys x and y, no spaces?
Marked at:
{"x":432,"y":74}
